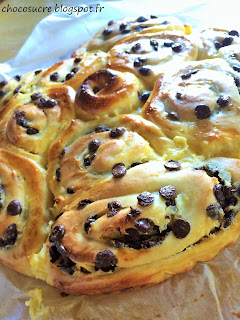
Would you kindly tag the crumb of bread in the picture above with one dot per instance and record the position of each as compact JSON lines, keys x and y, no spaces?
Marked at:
{"x":37,"y":310}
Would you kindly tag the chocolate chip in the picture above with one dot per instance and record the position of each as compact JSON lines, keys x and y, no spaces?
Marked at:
{"x":14,"y":208}
{"x":94,"y":145}
{"x":144,"y":96}
{"x":168,"y":43}
{"x":20,"y":118}
{"x":227,"y":41}
{"x":54,"y":76}
{"x":145,"y":199}
{"x":17,"y":77}
{"x":186,"y":75}
{"x":218,"y":192}
{"x":123,"y":26}
{"x":96,"y":90}
{"x":85,"y":271}
{"x":43,"y":103}
{"x":237,"y":81}
{"x":180,"y":228}
{"x":144,"y":225}
{"x":236,"y":68}
{"x":10,"y":234}
{"x":223,"y":101}
{"x":74,"y":70}
{"x":57,"y":233}
{"x":154,"y":44}
{"x":119,"y":170}
{"x":62,"y":153}
{"x":64,"y":294}
{"x":105,"y":261}
{"x":3,"y":83}
{"x":31,"y":130}
{"x":83,"y":203}
{"x":66,"y":264}
{"x":117,"y":132}
{"x":70,"y":191}
{"x":58,"y":174}
{"x":172,"y":165}
{"x":77,"y":60}
{"x":229,"y":216}
{"x":165,"y":22}
{"x":144,"y":71}
{"x":101,"y":129}
{"x":107,"y":32}
{"x":202,"y":111}
{"x":70,"y":75}
{"x":110,"y":22}
{"x":125,"y":31}
{"x":213,"y":211}
{"x":233,"y":33}
{"x":141,"y":19}
{"x":113,"y":207}
{"x":136,"y":47}
{"x":218,"y":45}
{"x":134,"y":164}
{"x":59,"y":215}
{"x":37,"y":71}
{"x":36,"y":96}
{"x":139,"y":62}
{"x":153,"y":17}
{"x":17,"y":89}
{"x":54,"y":254}
{"x":87,"y":161}
{"x":179,"y":95}
{"x":2,"y":93}
{"x":134,"y":213}
{"x":89,"y":221}
{"x":169,"y":193}
{"x":172,"y":115}
{"x":176,"y":48}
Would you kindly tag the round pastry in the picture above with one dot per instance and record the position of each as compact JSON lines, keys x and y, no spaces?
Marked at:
{"x":123,"y":242}
{"x":200,"y":102}
{"x":149,"y":55}
{"x":23,"y":218}
{"x":30,"y":122}
{"x":118,"y":30}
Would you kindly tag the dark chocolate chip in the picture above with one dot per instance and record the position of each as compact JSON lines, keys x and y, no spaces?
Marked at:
{"x":105,"y":261}
{"x":125,"y":31}
{"x":202,"y":111}
{"x":114,"y":205}
{"x":141,"y":19}
{"x":227,"y":41}
{"x":83,"y":203}
{"x":123,"y":26}
{"x":186,"y":75}
{"x":119,"y":170}
{"x":179,"y":95}
{"x":229,"y":216}
{"x":20,"y":118}
{"x":144,"y":96}
{"x":134,"y":213}
{"x":101,"y":129}
{"x":110,"y":22}
{"x":117,"y":132}
{"x":87,"y":161}
{"x":74,"y":70}
{"x":233,"y":33}
{"x":218,"y":45}
{"x":237,"y":81}
{"x":172,"y":165}
{"x":153,"y":17}
{"x":37,"y":71}
{"x":107,"y":32}
{"x":10,"y":234}
{"x":144,"y":71}
{"x":213,"y":211}
{"x":145,"y":199}
{"x":57,"y":233}
{"x":17,"y":77}
{"x":43,"y":103}
{"x":54,"y":254}
{"x":89,"y":221}
{"x":134,"y":164}
{"x":180,"y":228}
{"x":223,"y":101}
{"x":3,"y":83}
{"x":168,"y":192}
{"x":36,"y":96}
{"x":137,"y":63}
{"x":17,"y":89}
{"x":94,"y":145}
{"x":154,"y":44}
{"x":59,"y":215}
{"x":14,"y":208}
{"x":62,"y":153}
{"x":176,"y":48}
{"x":172,"y":115}
{"x":144,"y":225}
{"x":70,"y":75}
{"x":165,"y":22}
{"x":96,"y":90}
{"x":54,"y":76}
{"x":218,"y":192}
{"x":58,"y":174}
{"x":77,"y":60}
{"x":31,"y":130}
{"x":168,"y":43}
{"x":85,"y":271}
{"x":2,"y":93}
{"x":70,"y":191}
{"x":236,"y":68}
{"x":136,"y":47}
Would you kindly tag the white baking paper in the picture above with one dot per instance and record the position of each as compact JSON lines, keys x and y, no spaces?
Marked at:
{"x":210,"y":290}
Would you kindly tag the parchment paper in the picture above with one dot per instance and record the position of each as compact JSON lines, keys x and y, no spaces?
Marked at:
{"x":211,"y":289}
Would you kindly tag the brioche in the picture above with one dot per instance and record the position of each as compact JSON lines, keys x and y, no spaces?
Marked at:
{"x":120,"y":167}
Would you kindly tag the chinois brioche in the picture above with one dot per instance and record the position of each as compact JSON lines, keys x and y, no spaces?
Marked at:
{"x":119,"y":167}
